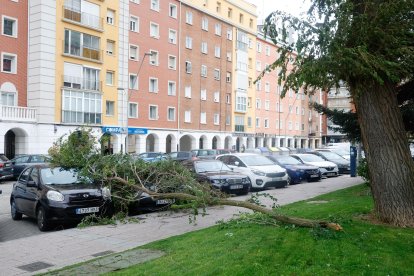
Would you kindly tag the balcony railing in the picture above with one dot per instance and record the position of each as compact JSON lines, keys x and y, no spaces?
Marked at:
{"x":17,"y":113}
{"x":82,"y":52}
{"x":83,"y":18}
{"x":239,"y":128}
{"x":81,"y":83}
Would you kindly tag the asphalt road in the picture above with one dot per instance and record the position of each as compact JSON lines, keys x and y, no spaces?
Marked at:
{"x":11,"y":230}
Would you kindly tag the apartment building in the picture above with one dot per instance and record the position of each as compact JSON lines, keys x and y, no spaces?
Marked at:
{"x":13,"y":76}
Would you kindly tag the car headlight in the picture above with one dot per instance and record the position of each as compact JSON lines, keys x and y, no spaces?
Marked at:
{"x":219,"y":181}
{"x":259,"y":173}
{"x":106,"y":193}
{"x":54,"y":196}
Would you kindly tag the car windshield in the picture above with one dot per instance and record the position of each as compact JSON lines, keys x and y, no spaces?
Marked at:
{"x":288,"y":160}
{"x":330,"y":155}
{"x":214,"y":166}
{"x":59,"y":176}
{"x":341,"y":152}
{"x":310,"y":158}
{"x":256,"y":160}
{"x":149,"y":155}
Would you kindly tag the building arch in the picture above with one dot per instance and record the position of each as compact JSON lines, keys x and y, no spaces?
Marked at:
{"x":187,"y":142}
{"x":152,"y":144}
{"x":15,"y":142}
{"x":170,"y":143}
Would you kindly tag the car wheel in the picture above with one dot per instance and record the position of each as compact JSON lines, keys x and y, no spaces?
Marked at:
{"x":289,"y":181}
{"x":16,"y":215}
{"x":42,"y":222}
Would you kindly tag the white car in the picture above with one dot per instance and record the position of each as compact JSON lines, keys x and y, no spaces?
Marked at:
{"x":262,"y":172}
{"x":327,"y":168}
{"x":345,"y":153}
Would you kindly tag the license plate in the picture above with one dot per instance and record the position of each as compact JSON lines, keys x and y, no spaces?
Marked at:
{"x":164,"y":201}
{"x":314,"y":175}
{"x":330,"y":174}
{"x":80,"y":211}
{"x":7,"y":165}
{"x":235,"y":187}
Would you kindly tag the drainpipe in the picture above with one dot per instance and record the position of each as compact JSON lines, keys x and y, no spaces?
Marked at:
{"x":179,"y":81}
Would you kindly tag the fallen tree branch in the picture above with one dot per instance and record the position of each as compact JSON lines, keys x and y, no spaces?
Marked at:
{"x":243,"y":204}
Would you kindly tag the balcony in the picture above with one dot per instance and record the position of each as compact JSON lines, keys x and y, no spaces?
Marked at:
{"x":83,"y":19}
{"x":239,"y":128}
{"x":17,"y":113}
{"x":85,"y":53}
{"x":81,"y":83}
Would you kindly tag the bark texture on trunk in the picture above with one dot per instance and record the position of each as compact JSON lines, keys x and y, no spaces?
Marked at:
{"x":386,"y":146}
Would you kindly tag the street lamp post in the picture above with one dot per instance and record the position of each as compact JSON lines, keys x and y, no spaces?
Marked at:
{"x":127,"y":103}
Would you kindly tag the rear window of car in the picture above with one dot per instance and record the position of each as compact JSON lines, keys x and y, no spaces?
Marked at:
{"x":183,"y":154}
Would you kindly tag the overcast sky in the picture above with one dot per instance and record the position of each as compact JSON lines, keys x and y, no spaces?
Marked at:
{"x":294,"y":7}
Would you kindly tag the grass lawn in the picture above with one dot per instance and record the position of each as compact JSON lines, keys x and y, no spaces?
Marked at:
{"x":245,"y":248}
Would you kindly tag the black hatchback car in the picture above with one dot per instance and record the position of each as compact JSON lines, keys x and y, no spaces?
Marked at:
{"x":55,"y":196}
{"x":6,"y":167}
{"x":23,"y":161}
{"x":220,"y":176}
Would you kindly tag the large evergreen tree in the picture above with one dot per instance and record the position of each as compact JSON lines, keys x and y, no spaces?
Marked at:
{"x":368,"y":44}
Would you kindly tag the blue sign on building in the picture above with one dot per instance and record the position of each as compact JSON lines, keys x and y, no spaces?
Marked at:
{"x":119,"y":130}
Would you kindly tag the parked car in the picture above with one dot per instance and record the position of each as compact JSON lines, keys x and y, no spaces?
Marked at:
{"x":296,"y":169}
{"x":327,"y":168}
{"x":22,"y":161}
{"x":6,"y":168}
{"x":144,"y":203}
{"x":262,"y":172}
{"x":57,"y":196}
{"x":151,"y":156}
{"x":344,"y":166}
{"x":345,"y":153}
{"x":205,"y":153}
{"x":220,"y":176}
{"x":181,"y":156}
{"x":260,"y":150}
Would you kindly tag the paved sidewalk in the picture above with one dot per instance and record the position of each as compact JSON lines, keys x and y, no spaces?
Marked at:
{"x":53,"y":250}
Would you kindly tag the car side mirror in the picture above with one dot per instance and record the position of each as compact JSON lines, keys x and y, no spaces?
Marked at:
{"x":31,"y":183}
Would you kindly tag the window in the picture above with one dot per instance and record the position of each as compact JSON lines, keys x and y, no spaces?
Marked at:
{"x":132,"y":110}
{"x":171,"y":88}
{"x":155,"y":5}
{"x":110,"y":46}
{"x":172,"y":11}
{"x":296,"y":126}
{"x":303,"y":111}
{"x":259,"y":47}
{"x":203,"y":94}
{"x":241,"y":18}
{"x":217,"y":29}
{"x":259,"y":85}
{"x":217,"y":74}
{"x":204,"y":47}
{"x":216,"y":97}
{"x":297,"y":110}
{"x":228,"y":77}
{"x":267,"y":87}
{"x":228,"y":99}
{"x":204,"y":71}
{"x":290,"y":125}
{"x":267,"y":50}
{"x":134,"y":24}
{"x":249,"y":102}
{"x":251,"y":23}
{"x":218,"y":7}
{"x":266,"y":123}
{"x":81,"y":107}
{"x":303,"y":127}
{"x":258,"y":66}
{"x":189,"y":17}
{"x":277,"y":124}
{"x":228,"y":56}
{"x":109,"y":77}
{"x":9,"y":26}
{"x":187,"y":92}
{"x":229,"y":13}
{"x":133,"y":81}
{"x":154,"y":30}
{"x":172,"y":62}
{"x":153,"y":58}
{"x":250,"y":44}
{"x":203,"y":118}
{"x":110,"y":108}
{"x":9,"y":63}
{"x":217,"y":52}
{"x":277,"y":107}
{"x":188,"y":42}
{"x":249,"y":121}
{"x":290,"y":108}
{"x":153,"y":112}
{"x":250,"y":82}
{"x":258,"y":103}
{"x":171,"y":114}
{"x":134,"y":1}
{"x":241,"y":102}
{"x":216,"y":118}
{"x":267,"y":105}
{"x":257,"y":122}
{"x":172,"y":36}
{"x":229,"y":34}
{"x":82,"y":45}
{"x":110,"y":17}
{"x":228,"y":120}
{"x":187,"y":116}
{"x":153,"y":85}
{"x":8,"y":98}
{"x":204,"y":24}
{"x":188,"y":67}
{"x":133,"y":52}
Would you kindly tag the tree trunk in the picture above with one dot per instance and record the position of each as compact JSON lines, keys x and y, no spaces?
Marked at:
{"x":389,"y":161}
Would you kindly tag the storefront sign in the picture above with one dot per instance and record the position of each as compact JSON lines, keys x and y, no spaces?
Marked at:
{"x":119,"y":130}
{"x":238,"y":134}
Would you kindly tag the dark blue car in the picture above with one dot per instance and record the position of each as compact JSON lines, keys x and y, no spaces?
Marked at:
{"x":296,"y":170}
